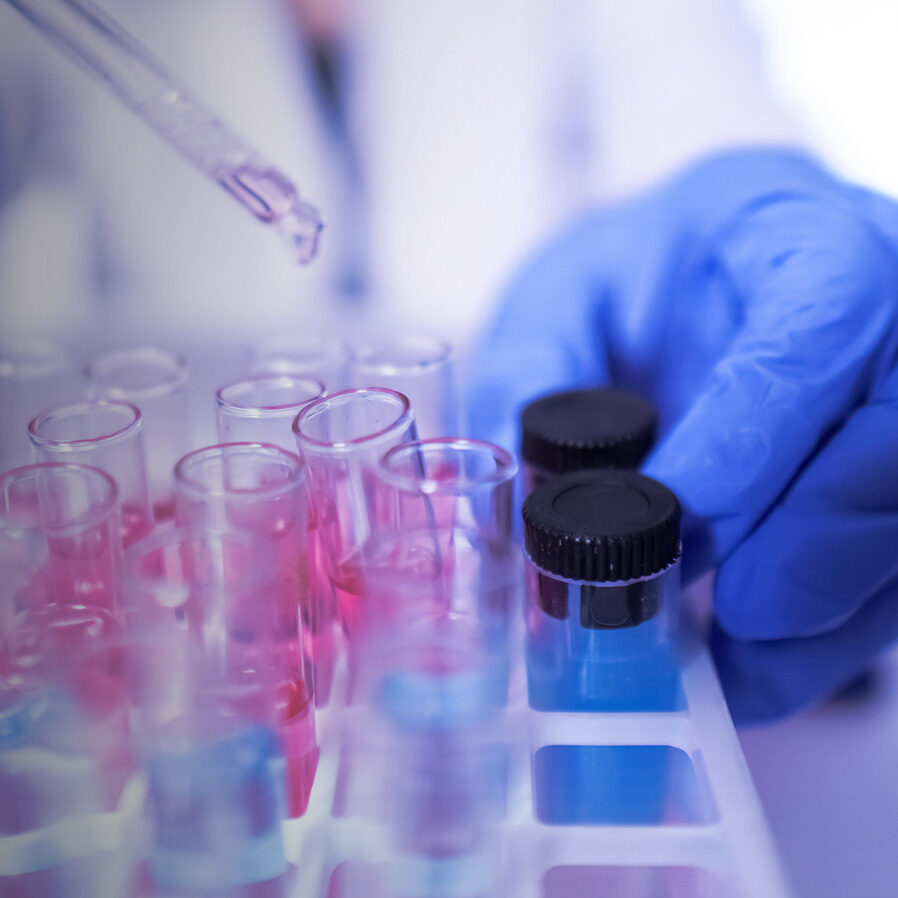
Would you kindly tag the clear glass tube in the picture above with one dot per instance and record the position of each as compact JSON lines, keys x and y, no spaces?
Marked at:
{"x":341,"y":438}
{"x":418,"y":367}
{"x":60,"y":601}
{"x":195,"y":605}
{"x":445,"y":764}
{"x":261,"y":409}
{"x":60,"y":549}
{"x":303,"y":356}
{"x":108,"y":435}
{"x":34,"y":375}
{"x":205,"y":689}
{"x":450,"y":482}
{"x":259,"y":489}
{"x":453,"y":501}
{"x":155,"y":380}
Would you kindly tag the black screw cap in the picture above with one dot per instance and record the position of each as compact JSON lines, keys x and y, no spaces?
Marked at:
{"x":596,"y":428}
{"x":602,"y":526}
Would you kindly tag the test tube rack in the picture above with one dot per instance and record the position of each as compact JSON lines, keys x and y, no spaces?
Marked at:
{"x":711,"y":842}
{"x":714,"y":842}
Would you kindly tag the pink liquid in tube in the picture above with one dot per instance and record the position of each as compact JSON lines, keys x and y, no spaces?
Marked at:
{"x":262,"y":409}
{"x":107,"y":434}
{"x":258,"y":490}
{"x":298,"y":742}
{"x":272,"y":198}
{"x":340,"y":438}
{"x":61,"y":553}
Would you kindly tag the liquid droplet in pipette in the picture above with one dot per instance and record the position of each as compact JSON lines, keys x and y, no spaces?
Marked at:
{"x":273,"y":199}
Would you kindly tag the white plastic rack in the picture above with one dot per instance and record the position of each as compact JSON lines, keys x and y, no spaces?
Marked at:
{"x":710,"y":839}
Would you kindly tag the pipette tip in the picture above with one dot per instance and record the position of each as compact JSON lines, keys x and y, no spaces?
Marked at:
{"x":300,"y":228}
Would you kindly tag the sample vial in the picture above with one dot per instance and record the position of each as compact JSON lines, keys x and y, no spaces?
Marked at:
{"x":602,"y":553}
{"x":578,"y":429}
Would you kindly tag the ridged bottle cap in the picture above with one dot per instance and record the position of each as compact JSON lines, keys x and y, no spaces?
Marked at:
{"x":578,"y":429}
{"x":602,"y":526}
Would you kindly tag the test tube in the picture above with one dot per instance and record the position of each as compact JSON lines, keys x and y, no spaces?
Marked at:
{"x":206,"y":697}
{"x":574,"y":430}
{"x":34,"y":375}
{"x":445,"y":760}
{"x":61,"y":549}
{"x":602,"y":566}
{"x":155,"y":380}
{"x":453,"y":483}
{"x":262,"y":409}
{"x":303,"y":356}
{"x":418,"y":367}
{"x":260,"y":489}
{"x":453,"y":501}
{"x":341,"y":439}
{"x":200,"y":623}
{"x":108,"y":435}
{"x":60,"y":600}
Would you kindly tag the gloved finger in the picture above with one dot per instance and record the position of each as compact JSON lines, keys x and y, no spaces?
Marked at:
{"x":769,"y":679}
{"x":545,"y":336}
{"x":818,"y":288}
{"x":830,"y":542}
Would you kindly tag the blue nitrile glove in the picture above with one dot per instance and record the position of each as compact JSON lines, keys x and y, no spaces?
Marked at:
{"x":754,"y":298}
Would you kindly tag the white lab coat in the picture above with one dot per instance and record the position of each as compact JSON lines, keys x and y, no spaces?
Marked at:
{"x":480,"y":125}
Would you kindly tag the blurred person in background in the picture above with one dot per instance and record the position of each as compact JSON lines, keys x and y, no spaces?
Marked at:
{"x":441,"y":140}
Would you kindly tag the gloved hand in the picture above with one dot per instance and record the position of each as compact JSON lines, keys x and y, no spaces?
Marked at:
{"x":754,"y":299}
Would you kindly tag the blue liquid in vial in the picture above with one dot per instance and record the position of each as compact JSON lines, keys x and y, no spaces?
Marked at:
{"x":586,"y":653}
{"x":582,"y":655}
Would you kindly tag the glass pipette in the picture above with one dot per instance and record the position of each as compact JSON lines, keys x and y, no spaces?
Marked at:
{"x":100,"y":46}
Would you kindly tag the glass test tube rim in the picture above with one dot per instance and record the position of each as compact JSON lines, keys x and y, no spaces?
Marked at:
{"x":441,"y":355}
{"x":105,"y":505}
{"x":175,"y":364}
{"x":283,"y":354}
{"x":506,"y":466}
{"x":319,"y":406}
{"x":194,"y":490}
{"x":232,"y":406}
{"x":14,"y":362}
{"x":132,"y":427}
